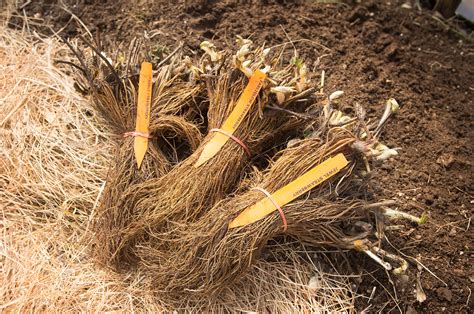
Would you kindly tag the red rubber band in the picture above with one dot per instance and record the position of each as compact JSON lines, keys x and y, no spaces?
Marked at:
{"x":282,"y":214}
{"x":136,"y":133}
{"x":246,"y":149}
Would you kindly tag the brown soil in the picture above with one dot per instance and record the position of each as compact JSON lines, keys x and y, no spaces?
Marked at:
{"x":371,"y":51}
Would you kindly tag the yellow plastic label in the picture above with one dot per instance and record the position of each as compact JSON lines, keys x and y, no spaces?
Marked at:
{"x":143,"y":111}
{"x":241,"y":109}
{"x":289,"y":192}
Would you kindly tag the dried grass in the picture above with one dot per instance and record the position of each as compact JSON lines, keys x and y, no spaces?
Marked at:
{"x":6,"y":8}
{"x":54,"y":162}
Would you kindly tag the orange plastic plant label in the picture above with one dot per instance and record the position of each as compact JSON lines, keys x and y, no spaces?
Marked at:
{"x":289,"y":192}
{"x":143,"y":111}
{"x":246,"y":99}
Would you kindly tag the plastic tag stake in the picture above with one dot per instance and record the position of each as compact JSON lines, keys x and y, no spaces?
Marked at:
{"x":246,"y":99}
{"x":143,"y":112}
{"x":289,"y":192}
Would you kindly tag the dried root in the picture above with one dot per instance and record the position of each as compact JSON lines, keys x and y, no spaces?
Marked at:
{"x":184,"y":194}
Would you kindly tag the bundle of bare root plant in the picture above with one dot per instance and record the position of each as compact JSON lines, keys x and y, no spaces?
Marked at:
{"x":173,"y":115}
{"x":54,"y":159}
{"x":168,"y":100}
{"x":160,"y":205}
{"x":212,"y":252}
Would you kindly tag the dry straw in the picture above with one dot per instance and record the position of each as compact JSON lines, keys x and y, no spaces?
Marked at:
{"x":54,"y":160}
{"x":173,"y":105}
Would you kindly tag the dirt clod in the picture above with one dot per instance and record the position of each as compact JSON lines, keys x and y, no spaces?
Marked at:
{"x":444,"y":293}
{"x":446,"y":160}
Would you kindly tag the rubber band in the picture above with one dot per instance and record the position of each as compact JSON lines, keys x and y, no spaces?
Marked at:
{"x":136,"y":133}
{"x":242,"y":144}
{"x":282,"y":214}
